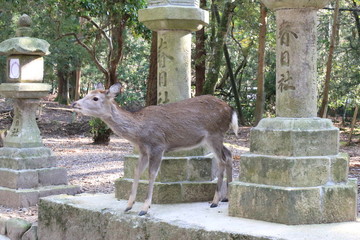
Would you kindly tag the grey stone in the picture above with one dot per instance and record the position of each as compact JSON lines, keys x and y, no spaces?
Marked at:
{"x":30,"y":197}
{"x":31,"y":234}
{"x":286,"y":4}
{"x":26,"y":158}
{"x":165,"y":193}
{"x":294,"y":205}
{"x":18,"y":178}
{"x":24,"y":90}
{"x":101,"y":216}
{"x":16,"y":228}
{"x":3,"y":225}
{"x":295,"y":137}
{"x":52,"y":176}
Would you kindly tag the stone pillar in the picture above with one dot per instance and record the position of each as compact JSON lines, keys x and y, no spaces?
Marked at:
{"x":185,"y":176}
{"x":294,"y":173}
{"x":27,"y":169}
{"x":174,"y":20}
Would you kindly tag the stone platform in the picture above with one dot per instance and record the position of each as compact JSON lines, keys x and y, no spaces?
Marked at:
{"x":101,"y":216}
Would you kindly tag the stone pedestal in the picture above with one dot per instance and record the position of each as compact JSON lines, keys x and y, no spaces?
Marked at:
{"x":180,"y":179}
{"x":28,"y":169}
{"x":185,"y":176}
{"x":294,"y":173}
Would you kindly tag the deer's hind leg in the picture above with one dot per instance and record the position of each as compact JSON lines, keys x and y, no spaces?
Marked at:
{"x":227,"y":157}
{"x":141,"y":166}
{"x":224,"y":161}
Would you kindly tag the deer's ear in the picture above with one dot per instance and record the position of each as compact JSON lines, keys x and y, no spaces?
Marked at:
{"x":114,"y":89}
{"x":99,"y":86}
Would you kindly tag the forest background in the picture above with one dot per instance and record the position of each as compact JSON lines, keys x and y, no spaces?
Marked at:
{"x":95,"y":41}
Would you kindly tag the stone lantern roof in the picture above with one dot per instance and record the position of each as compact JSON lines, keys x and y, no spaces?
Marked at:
{"x":23,"y":43}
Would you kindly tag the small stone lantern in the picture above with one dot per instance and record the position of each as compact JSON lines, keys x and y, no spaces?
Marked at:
{"x":27,"y":168}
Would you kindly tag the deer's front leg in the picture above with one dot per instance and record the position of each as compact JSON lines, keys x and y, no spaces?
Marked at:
{"x":154,"y":165}
{"x":141,"y":166}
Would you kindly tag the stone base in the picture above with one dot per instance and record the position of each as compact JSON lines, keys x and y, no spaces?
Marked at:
{"x":26,"y":158}
{"x":176,"y":192}
{"x":180,"y":179}
{"x":30,"y":197}
{"x":33,"y":178}
{"x":294,"y":205}
{"x":27,"y":174}
{"x":293,"y":171}
{"x":101,"y":216}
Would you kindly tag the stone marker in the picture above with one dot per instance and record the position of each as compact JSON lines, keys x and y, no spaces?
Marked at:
{"x":27,"y":168}
{"x":294,"y":173}
{"x":185,"y":176}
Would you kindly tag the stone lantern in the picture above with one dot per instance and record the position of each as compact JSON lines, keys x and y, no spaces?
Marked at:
{"x":27,"y":168}
{"x":294,"y":173}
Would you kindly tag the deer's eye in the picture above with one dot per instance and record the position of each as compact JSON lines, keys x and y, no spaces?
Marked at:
{"x":95,"y":99}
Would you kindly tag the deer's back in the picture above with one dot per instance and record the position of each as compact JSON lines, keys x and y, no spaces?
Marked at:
{"x":186,"y":122}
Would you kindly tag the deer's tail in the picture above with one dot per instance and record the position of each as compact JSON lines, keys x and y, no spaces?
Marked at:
{"x":234,"y":122}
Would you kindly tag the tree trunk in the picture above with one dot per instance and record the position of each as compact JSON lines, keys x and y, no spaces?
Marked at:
{"x":63,"y":89}
{"x":325,"y":99}
{"x":77,"y":83}
{"x":356,"y":18}
{"x":260,"y":96}
{"x":151,"y":85}
{"x":200,"y":57}
{"x":353,"y":123}
{"x":216,"y":60}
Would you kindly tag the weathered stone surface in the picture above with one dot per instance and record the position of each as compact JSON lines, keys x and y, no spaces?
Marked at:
{"x":3,"y":225}
{"x":16,"y":228}
{"x":284,"y":4}
{"x":176,"y":192}
{"x":31,"y":234}
{"x":289,"y":205}
{"x":339,"y":170}
{"x":26,"y":158}
{"x":174,"y":169}
{"x":156,"y":3}
{"x":340,"y":202}
{"x":174,"y":18}
{"x":30,"y":197}
{"x":33,"y":178}
{"x":24,"y":90}
{"x":285,"y":171}
{"x":295,"y":137}
{"x":24,"y":45}
{"x":52,"y":176}
{"x":100,"y":216}
{"x":18,"y":178}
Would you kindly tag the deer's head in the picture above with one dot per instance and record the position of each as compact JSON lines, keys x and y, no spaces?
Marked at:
{"x":97,"y":103}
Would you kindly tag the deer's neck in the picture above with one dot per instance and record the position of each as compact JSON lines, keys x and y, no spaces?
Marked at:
{"x":122,"y":123}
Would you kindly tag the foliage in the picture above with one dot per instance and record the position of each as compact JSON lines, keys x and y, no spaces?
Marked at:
{"x":100,"y":131}
{"x":118,"y":43}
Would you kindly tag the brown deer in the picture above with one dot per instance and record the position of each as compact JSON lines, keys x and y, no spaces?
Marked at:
{"x":186,"y":124}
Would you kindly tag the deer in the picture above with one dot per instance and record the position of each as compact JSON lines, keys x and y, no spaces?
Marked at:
{"x":154,"y":130}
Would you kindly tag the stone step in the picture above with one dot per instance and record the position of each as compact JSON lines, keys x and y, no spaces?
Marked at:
{"x":175,"y":192}
{"x":30,"y":197}
{"x":32,"y":178}
{"x":101,"y":216}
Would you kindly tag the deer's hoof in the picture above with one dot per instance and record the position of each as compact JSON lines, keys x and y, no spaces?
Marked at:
{"x":213,"y":205}
{"x":142,"y":213}
{"x":225,"y":200}
{"x":128,"y":209}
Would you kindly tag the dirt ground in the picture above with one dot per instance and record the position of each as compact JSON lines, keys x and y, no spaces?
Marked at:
{"x":95,"y":167}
